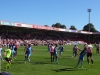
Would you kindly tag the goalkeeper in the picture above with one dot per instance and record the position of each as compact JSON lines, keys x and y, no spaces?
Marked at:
{"x":7,"y":54}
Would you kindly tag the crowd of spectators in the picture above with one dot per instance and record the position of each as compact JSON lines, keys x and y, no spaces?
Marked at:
{"x":37,"y":38}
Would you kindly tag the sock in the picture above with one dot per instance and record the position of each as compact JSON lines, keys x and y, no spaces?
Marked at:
{"x":60,"y":53}
{"x":56,"y":59}
{"x":88,"y":61}
{"x":92,"y":61}
{"x":28,"y":59}
{"x":78,"y":63}
{"x":12,"y":57}
{"x":7,"y":65}
{"x":25,"y":57}
{"x":53,"y":58}
{"x":82,"y":64}
{"x":2,"y":59}
{"x":73,"y":54}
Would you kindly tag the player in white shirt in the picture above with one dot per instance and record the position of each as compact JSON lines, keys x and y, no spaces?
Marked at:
{"x":89,"y":54}
{"x":97,"y":48}
{"x":52,"y":47}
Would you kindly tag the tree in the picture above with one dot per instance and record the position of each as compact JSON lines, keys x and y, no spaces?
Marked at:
{"x":63,"y":26}
{"x":58,"y":25}
{"x":46,"y":25}
{"x":72,"y":27}
{"x":92,"y":29}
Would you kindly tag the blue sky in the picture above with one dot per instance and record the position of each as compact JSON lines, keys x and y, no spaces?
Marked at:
{"x":48,"y":12}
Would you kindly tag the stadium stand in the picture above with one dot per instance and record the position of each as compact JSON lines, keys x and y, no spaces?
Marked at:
{"x":41,"y":35}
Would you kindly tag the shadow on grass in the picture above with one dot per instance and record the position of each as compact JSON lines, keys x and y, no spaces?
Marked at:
{"x":64,"y":57}
{"x":39,"y":62}
{"x":33,"y":63}
{"x":18,"y":62}
{"x":64,"y":69}
{"x":68,"y":69}
{"x":46,"y":58}
{"x":2,"y":70}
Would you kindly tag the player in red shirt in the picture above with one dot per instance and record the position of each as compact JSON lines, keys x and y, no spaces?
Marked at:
{"x":52,"y":47}
{"x":75,"y":50}
{"x":89,"y":54}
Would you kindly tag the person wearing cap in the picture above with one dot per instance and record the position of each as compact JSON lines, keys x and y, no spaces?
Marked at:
{"x":7,"y":54}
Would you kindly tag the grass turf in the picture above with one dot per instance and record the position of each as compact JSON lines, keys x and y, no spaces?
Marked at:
{"x":40,"y":63}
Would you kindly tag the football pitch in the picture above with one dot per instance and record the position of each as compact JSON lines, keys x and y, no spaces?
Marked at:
{"x":41,"y":65}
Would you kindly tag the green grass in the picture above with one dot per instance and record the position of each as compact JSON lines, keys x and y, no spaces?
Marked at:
{"x":40,"y":63}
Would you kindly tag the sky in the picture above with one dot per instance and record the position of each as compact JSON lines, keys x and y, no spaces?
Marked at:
{"x":48,"y":12}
